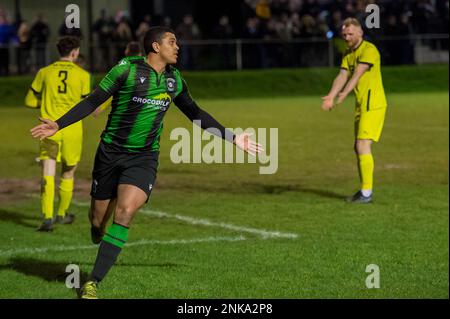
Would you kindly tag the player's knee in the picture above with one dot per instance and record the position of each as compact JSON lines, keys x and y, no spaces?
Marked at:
{"x":124,"y":214}
{"x":68,"y":172}
{"x":362,"y":146}
{"x":68,"y":175}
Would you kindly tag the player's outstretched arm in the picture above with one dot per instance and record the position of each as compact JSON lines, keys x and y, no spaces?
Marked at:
{"x":102,"y":107}
{"x":75,"y":114}
{"x":188,"y":106}
{"x":44,"y":130}
{"x":207,"y":122}
{"x":84,"y":108}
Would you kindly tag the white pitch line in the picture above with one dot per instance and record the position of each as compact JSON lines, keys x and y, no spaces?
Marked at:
{"x":205,"y":222}
{"x":144,"y":242}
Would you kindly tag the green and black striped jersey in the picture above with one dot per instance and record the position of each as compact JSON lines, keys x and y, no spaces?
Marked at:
{"x":141,"y":98}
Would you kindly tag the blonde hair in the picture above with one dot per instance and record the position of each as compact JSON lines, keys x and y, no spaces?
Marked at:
{"x":351,"y":21}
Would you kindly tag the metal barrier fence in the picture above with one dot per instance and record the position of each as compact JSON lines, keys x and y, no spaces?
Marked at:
{"x":240,"y":54}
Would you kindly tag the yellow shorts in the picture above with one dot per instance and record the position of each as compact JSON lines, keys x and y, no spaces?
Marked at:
{"x":64,"y":146}
{"x":369,"y":124}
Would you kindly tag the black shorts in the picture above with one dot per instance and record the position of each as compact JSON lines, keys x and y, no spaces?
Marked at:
{"x":112,"y":167}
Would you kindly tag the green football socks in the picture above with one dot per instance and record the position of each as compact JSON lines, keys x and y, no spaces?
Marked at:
{"x":110,"y":247}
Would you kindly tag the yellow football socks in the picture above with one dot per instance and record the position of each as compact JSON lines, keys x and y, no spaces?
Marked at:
{"x":65,"y":195}
{"x":366,"y":165}
{"x":47,"y":195}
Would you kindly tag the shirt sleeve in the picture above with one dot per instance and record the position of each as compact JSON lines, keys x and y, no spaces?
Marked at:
{"x":115,"y":77}
{"x":34,"y":93}
{"x":344,"y":63}
{"x":38,"y":81}
{"x":86,"y":85}
{"x":369,"y":56}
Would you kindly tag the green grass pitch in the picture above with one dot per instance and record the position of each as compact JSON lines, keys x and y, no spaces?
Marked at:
{"x":215,"y":237}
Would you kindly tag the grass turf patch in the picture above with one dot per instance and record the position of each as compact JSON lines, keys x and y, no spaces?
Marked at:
{"x":405,"y":231}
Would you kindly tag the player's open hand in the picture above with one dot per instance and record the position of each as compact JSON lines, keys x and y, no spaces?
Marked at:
{"x":244,"y":142}
{"x":46,"y":129}
{"x":327,"y":103}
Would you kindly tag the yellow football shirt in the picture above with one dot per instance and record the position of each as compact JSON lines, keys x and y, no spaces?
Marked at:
{"x":61,"y":85}
{"x":369,"y":91}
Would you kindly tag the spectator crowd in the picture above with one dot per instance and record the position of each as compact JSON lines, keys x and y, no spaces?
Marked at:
{"x":271,"y":20}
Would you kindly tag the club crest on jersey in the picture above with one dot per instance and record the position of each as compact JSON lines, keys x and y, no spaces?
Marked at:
{"x":142,"y":79}
{"x":170,"y":84}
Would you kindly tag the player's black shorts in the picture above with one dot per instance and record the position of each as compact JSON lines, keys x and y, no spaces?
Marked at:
{"x":112,"y":167}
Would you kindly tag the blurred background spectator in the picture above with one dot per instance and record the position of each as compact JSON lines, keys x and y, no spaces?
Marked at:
{"x":23,"y":51}
{"x":7,"y":35}
{"x":40,"y":33}
{"x":223,"y":31}
{"x":122,"y":33}
{"x":143,"y":28}
{"x":103,"y":29}
{"x":273,"y":33}
{"x":188,"y":30}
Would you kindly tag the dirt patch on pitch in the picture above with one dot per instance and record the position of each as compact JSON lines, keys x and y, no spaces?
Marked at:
{"x":15,"y":189}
